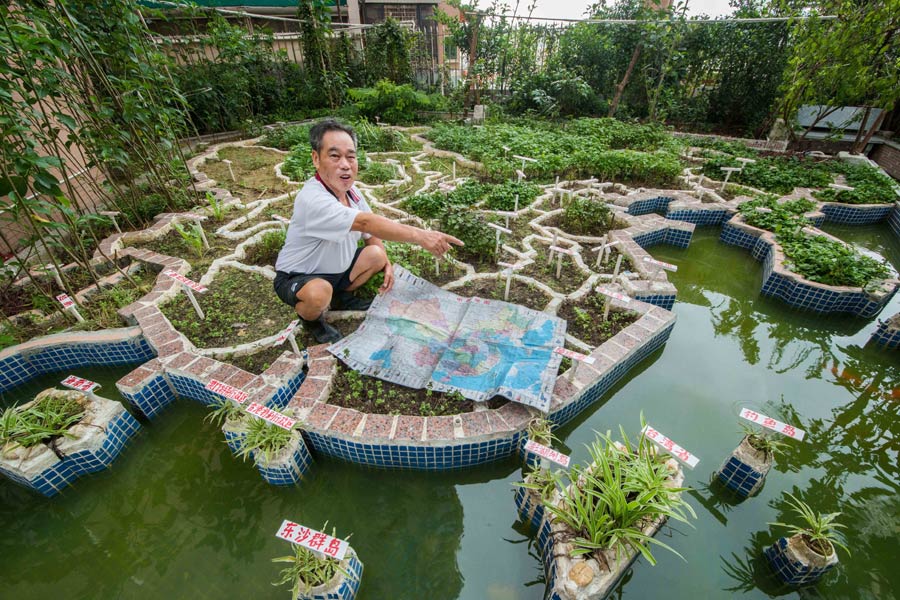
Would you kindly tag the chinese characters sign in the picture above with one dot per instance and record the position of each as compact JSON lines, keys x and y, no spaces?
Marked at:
{"x":548,"y":453}
{"x":287,"y":331}
{"x":670,"y":447}
{"x":770,"y":423}
{"x":182,"y":279}
{"x":574,"y":355}
{"x":312,"y":539}
{"x":65,"y":300}
{"x":230,"y":392}
{"x":82,"y":385}
{"x":272,"y":416}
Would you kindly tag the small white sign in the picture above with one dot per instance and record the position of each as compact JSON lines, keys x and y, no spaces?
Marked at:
{"x":65,"y":300}
{"x":730,"y":169}
{"x":612,"y":294}
{"x":82,"y":385}
{"x":770,"y":423}
{"x":314,"y":540}
{"x":499,"y":228}
{"x":228,"y":391}
{"x":561,"y":250}
{"x":670,"y":447}
{"x":574,"y":355}
{"x":193,"y":216}
{"x":182,"y":279}
{"x":525,"y":158}
{"x":287,"y":332}
{"x":281,"y":219}
{"x":272,"y":416}
{"x":548,"y":453}
{"x":659,"y":263}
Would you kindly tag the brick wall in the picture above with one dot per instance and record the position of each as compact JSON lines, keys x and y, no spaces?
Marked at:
{"x":888,"y":157}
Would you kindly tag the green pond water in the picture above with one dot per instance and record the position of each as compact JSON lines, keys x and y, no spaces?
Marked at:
{"x":178,"y":517}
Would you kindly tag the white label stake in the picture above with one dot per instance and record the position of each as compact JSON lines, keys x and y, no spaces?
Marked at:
{"x":671,"y":447}
{"x":70,"y":307}
{"x":82,"y":385}
{"x":272,"y":416}
{"x":548,"y":453}
{"x":289,"y":335}
{"x":770,"y":423}
{"x":189,"y":288}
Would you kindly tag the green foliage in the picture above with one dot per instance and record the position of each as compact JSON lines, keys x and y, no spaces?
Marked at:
{"x":869,"y":187}
{"x":285,"y":137}
{"x":763,"y":441}
{"x":766,"y":213}
{"x":48,"y":418}
{"x":305,"y":570}
{"x":191,"y":235}
{"x":604,"y":148}
{"x":503,"y":196}
{"x":819,"y":530}
{"x":776,"y":174}
{"x":265,"y":251}
{"x":613,"y":499}
{"x":830,"y":262}
{"x":263,"y":441}
{"x":391,"y":103}
{"x":376,"y":173}
{"x":586,"y":216}
{"x":470,"y":227}
{"x":388,"y":47}
{"x":224,"y":410}
{"x":540,"y":430}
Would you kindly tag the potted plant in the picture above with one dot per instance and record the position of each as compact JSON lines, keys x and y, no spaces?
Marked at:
{"x":598,"y":525}
{"x":318,"y":577}
{"x":280,"y":455}
{"x":539,"y":430}
{"x":232,"y":418}
{"x":810,"y":552}
{"x":746,"y":469}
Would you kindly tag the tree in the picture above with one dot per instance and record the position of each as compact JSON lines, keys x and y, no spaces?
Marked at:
{"x":853,"y":60}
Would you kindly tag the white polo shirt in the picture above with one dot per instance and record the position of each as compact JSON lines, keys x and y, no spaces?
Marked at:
{"x":319,"y":239}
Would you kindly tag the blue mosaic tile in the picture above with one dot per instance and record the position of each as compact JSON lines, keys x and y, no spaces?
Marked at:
{"x":15,"y":370}
{"x":894,"y":220}
{"x":792,"y":572}
{"x":281,"y":398}
{"x":740,"y":477}
{"x":665,"y":301}
{"x":651,"y":205}
{"x":674,"y":237}
{"x":700,"y":217}
{"x":885,"y":336}
{"x":856,"y":215}
{"x":290,"y":471}
{"x":156,"y":395}
{"x":529,"y":512}
{"x":349,"y":587}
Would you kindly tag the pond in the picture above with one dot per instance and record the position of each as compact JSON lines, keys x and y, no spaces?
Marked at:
{"x":178,"y":516}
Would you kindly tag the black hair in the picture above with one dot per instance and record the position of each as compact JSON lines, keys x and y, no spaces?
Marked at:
{"x":319,"y":130}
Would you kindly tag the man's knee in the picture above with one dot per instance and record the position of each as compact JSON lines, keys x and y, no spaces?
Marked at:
{"x":313,"y":298}
{"x":375,"y":258}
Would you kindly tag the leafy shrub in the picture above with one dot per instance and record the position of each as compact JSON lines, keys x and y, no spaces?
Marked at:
{"x":435,"y":204}
{"x":265,"y":251}
{"x":375,"y":173}
{"x":503,"y":196}
{"x":390,"y":103}
{"x":779,"y":175}
{"x":766,"y":213}
{"x":830,"y":262}
{"x":472,"y":229}
{"x":584,"y":216}
{"x":286,"y":137}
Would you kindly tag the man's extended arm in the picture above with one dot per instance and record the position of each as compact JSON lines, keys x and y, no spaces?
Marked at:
{"x":381,"y":227}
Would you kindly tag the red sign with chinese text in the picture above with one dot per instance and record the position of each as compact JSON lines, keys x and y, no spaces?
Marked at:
{"x":314,"y":540}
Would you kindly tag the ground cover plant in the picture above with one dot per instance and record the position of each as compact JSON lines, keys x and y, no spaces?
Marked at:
{"x":585,"y":319}
{"x":585,"y":216}
{"x":827,"y":261}
{"x":544,"y":270}
{"x":306,"y":570}
{"x":240,"y":307}
{"x":578,"y":149}
{"x":265,"y":251}
{"x":767,"y":213}
{"x":254,"y":172}
{"x":776,"y":174}
{"x":613,"y":499}
{"x":870,"y":186}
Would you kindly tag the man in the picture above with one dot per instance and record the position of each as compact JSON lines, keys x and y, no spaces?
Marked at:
{"x":321,"y":263}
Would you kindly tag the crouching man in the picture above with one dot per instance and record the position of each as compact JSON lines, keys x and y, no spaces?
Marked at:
{"x":321,"y":263}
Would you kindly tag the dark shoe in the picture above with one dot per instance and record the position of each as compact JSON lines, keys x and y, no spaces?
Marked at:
{"x":322,"y":331}
{"x":349,"y":301}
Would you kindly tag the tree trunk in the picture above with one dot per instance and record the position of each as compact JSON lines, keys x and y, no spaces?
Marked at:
{"x":858,"y":149}
{"x":621,"y":87}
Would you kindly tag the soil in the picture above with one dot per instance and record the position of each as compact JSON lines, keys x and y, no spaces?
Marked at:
{"x":240,"y":307}
{"x":425,"y":268}
{"x":171,"y":244}
{"x":370,"y":395}
{"x":520,"y":293}
{"x":254,"y":171}
{"x":610,"y":265}
{"x":570,"y":278}
{"x":259,"y":362}
{"x":557,"y":221}
{"x":589,"y":326}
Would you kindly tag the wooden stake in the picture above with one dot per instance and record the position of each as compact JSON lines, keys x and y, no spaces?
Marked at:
{"x":230,"y":171}
{"x":196,"y":305}
{"x":558,"y":264}
{"x":293,"y":340}
{"x":618,"y":264}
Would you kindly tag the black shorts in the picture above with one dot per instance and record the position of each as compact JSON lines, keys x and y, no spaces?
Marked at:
{"x":288,"y":284}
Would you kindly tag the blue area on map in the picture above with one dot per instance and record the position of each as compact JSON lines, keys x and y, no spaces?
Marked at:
{"x":383,"y":354}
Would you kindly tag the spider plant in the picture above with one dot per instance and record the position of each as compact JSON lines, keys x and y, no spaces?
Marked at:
{"x":819,"y":531}
{"x":264,"y":438}
{"x":762,"y":441}
{"x":224,"y":410}
{"x":613,"y":500}
{"x":543,"y":481}
{"x":45,"y":420}
{"x":191,"y":236}
{"x":216,"y":209}
{"x":540,"y":430}
{"x":305,"y":570}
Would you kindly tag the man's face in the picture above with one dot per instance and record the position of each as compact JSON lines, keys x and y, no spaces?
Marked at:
{"x":336,"y":161}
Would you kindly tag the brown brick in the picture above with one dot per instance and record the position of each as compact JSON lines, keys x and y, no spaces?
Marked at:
{"x":346,"y":421}
{"x":439,"y":428}
{"x":409,"y":428}
{"x":321,"y":415}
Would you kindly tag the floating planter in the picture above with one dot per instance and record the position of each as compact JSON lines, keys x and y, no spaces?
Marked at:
{"x":746,"y":469}
{"x":276,"y":446}
{"x":321,"y":567}
{"x":810,"y":552}
{"x":60,"y":435}
{"x":531,"y":494}
{"x":586,"y":545}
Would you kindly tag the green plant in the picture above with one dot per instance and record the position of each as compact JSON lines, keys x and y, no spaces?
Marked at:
{"x":265,"y":439}
{"x":543,"y":481}
{"x":766,"y":213}
{"x":265,"y":251}
{"x":47,"y":419}
{"x":585,"y":216}
{"x":375,"y":173}
{"x":869,"y":187}
{"x":192,"y":236}
{"x":762,"y":441}
{"x":391,"y":103}
{"x":224,"y":410}
{"x":819,"y":531}
{"x":215,"y":206}
{"x":540,"y":430}
{"x":611,"y":501}
{"x":306,"y":570}
{"x":827,"y":261}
